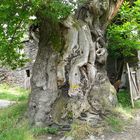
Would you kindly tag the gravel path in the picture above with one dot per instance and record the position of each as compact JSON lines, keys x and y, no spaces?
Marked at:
{"x":5,"y":103}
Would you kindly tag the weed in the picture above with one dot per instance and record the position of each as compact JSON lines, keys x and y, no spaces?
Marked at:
{"x":80,"y":130}
{"x":124,"y":98}
{"x":36,"y":131}
{"x":52,"y":130}
{"x":119,"y":119}
{"x":115,"y":123}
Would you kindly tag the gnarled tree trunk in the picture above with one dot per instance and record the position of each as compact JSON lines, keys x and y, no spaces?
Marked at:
{"x":73,"y":84}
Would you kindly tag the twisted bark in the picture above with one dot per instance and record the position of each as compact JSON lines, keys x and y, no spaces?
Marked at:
{"x":73,"y":84}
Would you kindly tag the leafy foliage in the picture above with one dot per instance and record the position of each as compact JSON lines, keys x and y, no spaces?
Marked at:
{"x":56,"y":10}
{"x":123,"y":33}
{"x":15,"y":19}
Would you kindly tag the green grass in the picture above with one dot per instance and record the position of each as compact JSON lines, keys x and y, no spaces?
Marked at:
{"x":124,"y":99}
{"x":116,"y":124}
{"x":123,"y":113}
{"x":13,"y":125}
{"x":36,"y":131}
{"x":13,"y":93}
{"x":119,"y":119}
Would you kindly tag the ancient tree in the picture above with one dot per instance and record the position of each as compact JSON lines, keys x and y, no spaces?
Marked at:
{"x":69,"y":78}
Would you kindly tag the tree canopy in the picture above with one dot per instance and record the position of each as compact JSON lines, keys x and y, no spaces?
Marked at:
{"x":16,"y":16}
{"x":124,"y":31}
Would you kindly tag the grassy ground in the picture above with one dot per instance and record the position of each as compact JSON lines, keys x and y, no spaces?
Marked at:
{"x":14,"y":124}
{"x":13,"y":120}
{"x":123,"y":114}
{"x":13,"y":93}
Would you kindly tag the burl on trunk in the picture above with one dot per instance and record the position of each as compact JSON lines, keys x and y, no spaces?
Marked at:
{"x":72,"y":83}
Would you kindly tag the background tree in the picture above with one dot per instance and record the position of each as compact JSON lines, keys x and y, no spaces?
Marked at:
{"x":123,"y":33}
{"x":69,"y":79}
{"x":123,"y":39}
{"x":13,"y":24}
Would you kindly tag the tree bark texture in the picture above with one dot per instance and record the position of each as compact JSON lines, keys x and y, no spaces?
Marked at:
{"x":73,"y":84}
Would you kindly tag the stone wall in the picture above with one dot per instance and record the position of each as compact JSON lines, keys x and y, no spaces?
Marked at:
{"x":21,"y":76}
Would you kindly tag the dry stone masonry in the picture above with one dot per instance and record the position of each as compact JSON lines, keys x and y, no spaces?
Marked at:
{"x":21,"y":76}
